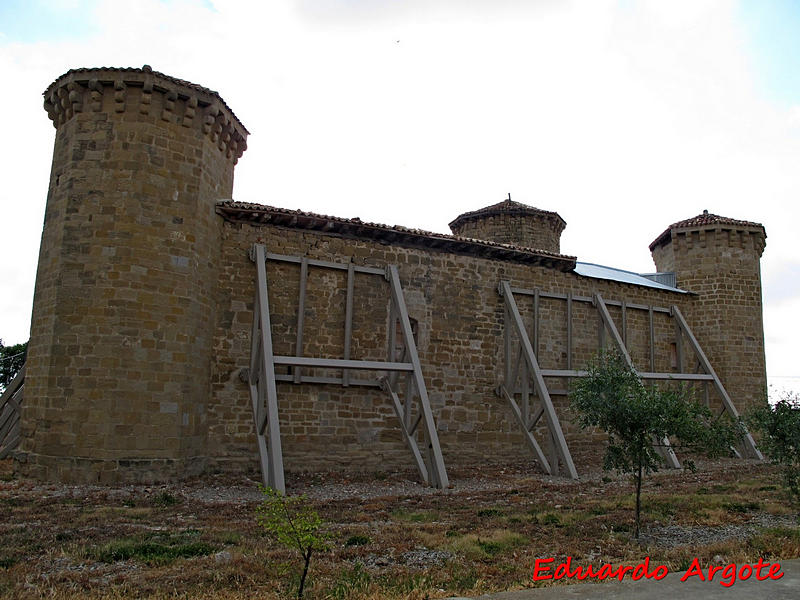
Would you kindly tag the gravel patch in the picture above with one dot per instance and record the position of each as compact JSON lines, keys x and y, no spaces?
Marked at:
{"x":419,"y":558}
{"x":97,"y":572}
{"x":674,"y":536}
{"x":422,"y":558}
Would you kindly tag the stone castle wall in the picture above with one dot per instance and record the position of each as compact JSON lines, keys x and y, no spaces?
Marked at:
{"x":144,"y":296}
{"x":459,"y":312}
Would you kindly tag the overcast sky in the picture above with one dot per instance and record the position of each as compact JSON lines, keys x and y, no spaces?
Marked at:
{"x":621,"y":115}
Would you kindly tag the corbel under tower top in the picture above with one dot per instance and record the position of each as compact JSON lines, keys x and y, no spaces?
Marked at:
{"x":677,"y":247}
{"x":142,"y":91}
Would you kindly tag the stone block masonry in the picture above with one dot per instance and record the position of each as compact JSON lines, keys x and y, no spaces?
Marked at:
{"x":144,"y":301}
{"x":718,"y":259}
{"x":124,"y":309}
{"x":452,"y":295}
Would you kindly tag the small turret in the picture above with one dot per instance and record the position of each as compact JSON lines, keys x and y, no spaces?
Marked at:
{"x":718,"y":259}
{"x":510,"y":222}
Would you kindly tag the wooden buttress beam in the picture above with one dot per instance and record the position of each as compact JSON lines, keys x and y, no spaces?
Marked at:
{"x":608,"y":322}
{"x":538,"y":380}
{"x":408,"y":403}
{"x":10,"y":405}
{"x":255,"y":396}
{"x":643,"y":374}
{"x":437,"y":472}
{"x":601,"y":334}
{"x":748,"y":442}
{"x":338,"y":363}
{"x":9,"y":417}
{"x":391,"y":351}
{"x":348,"y":322}
{"x":301,"y":315}
{"x":263,"y":390}
{"x":662,"y":446}
{"x":535,"y":322}
{"x":537,"y":450}
{"x":624,"y":307}
{"x":15,"y":384}
{"x":652,"y":338}
{"x":569,"y":330}
{"x":507,"y":349}
{"x":526,"y":397}
{"x":262,"y":380}
{"x":408,"y":434}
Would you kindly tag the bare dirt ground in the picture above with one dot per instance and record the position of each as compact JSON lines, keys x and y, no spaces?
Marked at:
{"x":390,"y":537}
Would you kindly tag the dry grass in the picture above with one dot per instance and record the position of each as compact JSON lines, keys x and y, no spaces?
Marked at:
{"x":61,"y":542}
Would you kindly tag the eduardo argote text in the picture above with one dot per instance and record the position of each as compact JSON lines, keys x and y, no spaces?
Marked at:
{"x":545,"y":569}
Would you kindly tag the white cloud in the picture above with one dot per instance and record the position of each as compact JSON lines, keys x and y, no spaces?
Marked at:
{"x":623,"y":117}
{"x":794,"y":116}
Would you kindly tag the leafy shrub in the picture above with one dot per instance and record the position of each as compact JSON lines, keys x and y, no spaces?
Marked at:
{"x":164,"y":499}
{"x":294,"y":523}
{"x":779,"y":425}
{"x":614,"y":399}
{"x":357,"y":540}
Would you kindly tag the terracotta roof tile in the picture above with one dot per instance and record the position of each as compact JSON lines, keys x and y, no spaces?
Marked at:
{"x":702,"y":220}
{"x":505,"y":207}
{"x":355,"y":227}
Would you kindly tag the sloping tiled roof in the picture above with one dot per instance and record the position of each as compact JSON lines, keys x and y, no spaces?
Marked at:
{"x":505,"y":207}
{"x":703,"y":220}
{"x":98,"y":72}
{"x":259,"y":214}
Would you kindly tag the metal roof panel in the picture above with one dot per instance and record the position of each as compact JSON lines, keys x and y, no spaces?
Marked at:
{"x":602,"y":272}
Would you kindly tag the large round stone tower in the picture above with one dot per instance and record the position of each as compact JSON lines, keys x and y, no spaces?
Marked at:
{"x":119,"y":360}
{"x":718,"y":259}
{"x":510,"y":222}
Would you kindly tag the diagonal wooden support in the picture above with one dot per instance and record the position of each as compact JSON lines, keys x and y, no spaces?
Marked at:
{"x":407,"y":404}
{"x":301,"y":315}
{"x":408,"y":433}
{"x":662,"y":446}
{"x":612,"y":328}
{"x":537,"y":450}
{"x":12,"y":387}
{"x":553,"y":423}
{"x":263,"y":378}
{"x":748,"y":442}
{"x":263,"y":389}
{"x":348,"y":321}
{"x":437,"y":472}
{"x":10,"y":405}
{"x":11,"y":398}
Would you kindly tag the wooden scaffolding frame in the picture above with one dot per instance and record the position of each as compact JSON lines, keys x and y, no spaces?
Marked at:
{"x":10,"y":407}
{"x":524,"y":377}
{"x":263,"y":379}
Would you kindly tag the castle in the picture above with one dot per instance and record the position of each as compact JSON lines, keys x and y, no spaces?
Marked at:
{"x":372,"y":346}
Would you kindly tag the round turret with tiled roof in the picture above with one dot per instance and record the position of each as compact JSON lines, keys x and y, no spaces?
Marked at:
{"x":709,"y":221}
{"x":510,"y":222}
{"x":717,"y":259}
